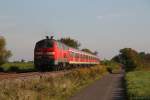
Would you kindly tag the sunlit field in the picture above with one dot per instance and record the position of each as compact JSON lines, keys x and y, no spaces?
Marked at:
{"x":138,"y":85}
{"x":18,"y":67}
{"x":50,"y":88}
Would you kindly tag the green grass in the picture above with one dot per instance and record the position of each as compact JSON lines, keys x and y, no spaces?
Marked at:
{"x":138,"y":85}
{"x":50,"y":88}
{"x":18,"y":67}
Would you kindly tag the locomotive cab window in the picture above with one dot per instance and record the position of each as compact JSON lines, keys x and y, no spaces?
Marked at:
{"x":44,"y":44}
{"x":49,"y":44}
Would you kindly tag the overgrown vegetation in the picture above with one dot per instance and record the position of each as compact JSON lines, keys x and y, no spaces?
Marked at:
{"x":138,"y":85}
{"x":17,"y":67}
{"x":133,"y":60}
{"x":112,"y":66}
{"x":50,"y":88}
{"x":137,"y":65}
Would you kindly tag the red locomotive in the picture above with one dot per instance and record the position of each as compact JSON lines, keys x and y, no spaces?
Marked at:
{"x":55,"y":55}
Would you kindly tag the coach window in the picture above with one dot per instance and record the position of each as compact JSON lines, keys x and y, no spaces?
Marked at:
{"x":60,"y":46}
{"x":84,"y":56}
{"x":72,"y":54}
{"x":76,"y":55}
{"x":65,"y":47}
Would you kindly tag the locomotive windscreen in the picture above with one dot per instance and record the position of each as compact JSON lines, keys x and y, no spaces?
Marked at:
{"x":47,"y":43}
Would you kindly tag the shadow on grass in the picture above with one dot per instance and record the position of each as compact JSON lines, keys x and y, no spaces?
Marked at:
{"x":120,"y":92}
{"x":1,"y":69}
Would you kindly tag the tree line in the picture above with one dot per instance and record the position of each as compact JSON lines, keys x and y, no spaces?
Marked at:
{"x":132,"y":59}
{"x":76,"y":44}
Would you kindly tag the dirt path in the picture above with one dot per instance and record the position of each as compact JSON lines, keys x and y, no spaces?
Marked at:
{"x":110,"y":87}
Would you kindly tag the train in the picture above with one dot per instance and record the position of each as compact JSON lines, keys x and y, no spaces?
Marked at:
{"x":55,"y":55}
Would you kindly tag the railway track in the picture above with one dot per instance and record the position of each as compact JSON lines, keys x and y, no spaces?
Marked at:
{"x":6,"y":76}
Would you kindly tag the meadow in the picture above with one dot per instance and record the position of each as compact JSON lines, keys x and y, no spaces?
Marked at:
{"x":17,"y":67}
{"x":138,"y":85}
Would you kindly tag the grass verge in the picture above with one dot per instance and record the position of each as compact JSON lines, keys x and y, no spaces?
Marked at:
{"x":50,"y":88}
{"x":17,"y":67}
{"x":138,"y":85}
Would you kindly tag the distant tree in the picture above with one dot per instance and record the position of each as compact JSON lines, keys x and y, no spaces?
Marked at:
{"x":30,"y":61}
{"x":70,"y":42}
{"x":4,"y":53}
{"x":16,"y":61}
{"x":95,"y":53}
{"x":130,"y":58}
{"x":87,"y":50}
{"x":145,"y":56}
{"x":22,"y":61}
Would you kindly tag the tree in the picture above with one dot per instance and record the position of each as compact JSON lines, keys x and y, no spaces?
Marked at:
{"x":145,"y":56}
{"x":70,"y":42}
{"x":22,"y":61}
{"x":4,"y":53}
{"x":130,"y":58}
{"x":145,"y":59}
{"x":95,"y":53}
{"x":87,"y":50}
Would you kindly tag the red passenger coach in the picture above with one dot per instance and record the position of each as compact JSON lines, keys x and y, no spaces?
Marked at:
{"x":52,"y":54}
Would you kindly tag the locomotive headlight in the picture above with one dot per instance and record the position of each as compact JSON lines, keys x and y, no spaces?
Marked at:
{"x":38,"y":53}
{"x":50,"y":53}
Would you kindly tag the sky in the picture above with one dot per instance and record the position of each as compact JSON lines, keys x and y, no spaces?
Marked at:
{"x":102,"y":25}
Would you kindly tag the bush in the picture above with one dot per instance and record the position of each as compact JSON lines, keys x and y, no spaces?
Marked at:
{"x":13,"y":69}
{"x":1,"y":69}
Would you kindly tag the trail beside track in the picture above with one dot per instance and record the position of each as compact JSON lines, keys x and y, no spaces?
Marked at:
{"x":110,"y":87}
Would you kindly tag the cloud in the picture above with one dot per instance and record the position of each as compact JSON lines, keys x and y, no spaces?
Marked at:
{"x":100,"y":17}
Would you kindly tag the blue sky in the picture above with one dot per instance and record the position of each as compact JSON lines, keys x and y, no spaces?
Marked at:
{"x":102,"y":25}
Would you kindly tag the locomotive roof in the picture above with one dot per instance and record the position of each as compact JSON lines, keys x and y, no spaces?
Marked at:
{"x":45,"y":40}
